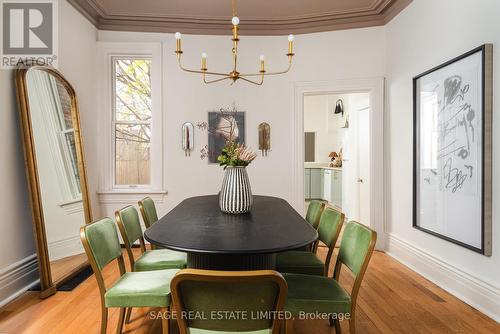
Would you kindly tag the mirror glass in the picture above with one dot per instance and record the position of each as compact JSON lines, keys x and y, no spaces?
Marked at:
{"x":53,"y":129}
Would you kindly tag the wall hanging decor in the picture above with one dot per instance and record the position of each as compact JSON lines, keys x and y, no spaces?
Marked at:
{"x":223,"y":125}
{"x":452,"y":150}
{"x":187,"y":138}
{"x":264,"y":138}
{"x":339,"y":107}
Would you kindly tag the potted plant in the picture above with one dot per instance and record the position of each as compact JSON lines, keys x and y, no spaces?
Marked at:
{"x":235,"y":195}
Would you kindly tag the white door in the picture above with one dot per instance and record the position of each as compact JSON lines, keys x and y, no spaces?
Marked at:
{"x":364,"y":165}
{"x":350,"y":188}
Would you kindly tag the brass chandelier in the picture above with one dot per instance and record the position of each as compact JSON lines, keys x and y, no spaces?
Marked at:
{"x":234,"y":75}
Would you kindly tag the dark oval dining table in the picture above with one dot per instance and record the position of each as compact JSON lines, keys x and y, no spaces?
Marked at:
{"x":219,"y":241}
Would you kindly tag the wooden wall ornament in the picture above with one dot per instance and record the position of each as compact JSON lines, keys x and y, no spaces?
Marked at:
{"x":264,"y":138}
{"x":187,"y":138}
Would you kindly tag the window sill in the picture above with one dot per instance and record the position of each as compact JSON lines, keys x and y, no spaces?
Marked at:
{"x":126,"y":196}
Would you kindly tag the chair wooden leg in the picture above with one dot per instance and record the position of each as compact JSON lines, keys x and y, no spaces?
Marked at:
{"x":165,"y":320}
{"x":128,"y":314}
{"x":338,"y":330}
{"x":104,"y":319}
{"x":121,"y":318}
{"x":289,"y":326}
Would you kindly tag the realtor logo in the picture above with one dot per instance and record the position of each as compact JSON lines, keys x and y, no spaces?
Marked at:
{"x":29,"y":33}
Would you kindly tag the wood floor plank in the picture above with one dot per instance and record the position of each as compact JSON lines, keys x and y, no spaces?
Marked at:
{"x":392,"y":299}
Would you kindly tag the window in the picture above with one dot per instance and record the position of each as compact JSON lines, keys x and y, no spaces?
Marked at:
{"x":66,"y":139}
{"x":132,"y":121}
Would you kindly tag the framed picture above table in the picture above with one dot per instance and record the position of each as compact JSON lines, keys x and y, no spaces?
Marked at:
{"x":452,"y":150}
{"x":223,"y":125}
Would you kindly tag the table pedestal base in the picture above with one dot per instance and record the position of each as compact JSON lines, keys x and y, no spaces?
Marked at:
{"x":231,"y":262}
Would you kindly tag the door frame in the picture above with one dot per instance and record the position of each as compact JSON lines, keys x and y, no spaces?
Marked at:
{"x":373,"y":86}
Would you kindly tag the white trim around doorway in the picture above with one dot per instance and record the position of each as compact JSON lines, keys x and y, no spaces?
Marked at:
{"x":373,"y":86}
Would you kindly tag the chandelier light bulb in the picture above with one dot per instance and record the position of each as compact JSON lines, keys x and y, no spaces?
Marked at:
{"x":291,"y":38}
{"x":262,"y":58}
{"x":204,"y":55}
{"x":235,"y":20}
{"x":178,"y":35}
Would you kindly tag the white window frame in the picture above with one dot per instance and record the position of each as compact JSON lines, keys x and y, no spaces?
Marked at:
{"x":108,"y":51}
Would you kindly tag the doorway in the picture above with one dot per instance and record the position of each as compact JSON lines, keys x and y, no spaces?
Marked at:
{"x":371,"y":171}
{"x":336,"y":152}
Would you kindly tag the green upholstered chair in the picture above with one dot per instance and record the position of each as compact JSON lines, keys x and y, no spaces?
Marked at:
{"x":314,"y":212}
{"x":313,"y":215}
{"x":216,"y":293}
{"x":155,"y":259}
{"x":325,"y":295}
{"x":300,"y":262}
{"x":131,"y":231}
{"x":132,"y":289}
{"x":148,"y":211}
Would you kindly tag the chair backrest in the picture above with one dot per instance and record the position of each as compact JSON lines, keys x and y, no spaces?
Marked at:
{"x":314,"y":212}
{"x":356,"y":249}
{"x":148,"y":211}
{"x":252,"y":297}
{"x":329,"y":227}
{"x":129,"y":225}
{"x":102,"y":246}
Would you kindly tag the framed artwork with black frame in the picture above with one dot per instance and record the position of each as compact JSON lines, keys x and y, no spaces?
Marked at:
{"x":222,"y":125}
{"x":452,"y":150}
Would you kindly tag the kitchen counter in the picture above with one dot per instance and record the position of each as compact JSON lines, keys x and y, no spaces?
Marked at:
{"x":323,"y":182}
{"x":321,"y":165}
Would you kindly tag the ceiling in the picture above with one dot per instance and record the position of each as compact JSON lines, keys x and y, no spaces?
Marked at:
{"x":258,"y":17}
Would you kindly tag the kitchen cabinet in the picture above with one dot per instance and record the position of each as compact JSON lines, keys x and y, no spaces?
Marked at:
{"x":313,"y":187}
{"x":316,"y":186}
{"x":336,"y":188}
{"x":327,"y":185}
{"x":307,"y":183}
{"x":324,"y":184}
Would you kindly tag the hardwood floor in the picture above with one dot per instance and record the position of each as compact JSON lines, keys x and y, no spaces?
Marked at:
{"x":392,"y":299}
{"x":62,"y":267}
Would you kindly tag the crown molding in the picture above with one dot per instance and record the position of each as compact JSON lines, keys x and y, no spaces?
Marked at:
{"x":378,"y":13}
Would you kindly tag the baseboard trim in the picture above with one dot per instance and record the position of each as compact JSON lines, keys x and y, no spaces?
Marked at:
{"x":18,"y":278}
{"x":477,"y":293}
{"x":66,"y":247}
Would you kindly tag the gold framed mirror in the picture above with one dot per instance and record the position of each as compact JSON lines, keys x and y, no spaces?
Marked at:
{"x":56,"y":173}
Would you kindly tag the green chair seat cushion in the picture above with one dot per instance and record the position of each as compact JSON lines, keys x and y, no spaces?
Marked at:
{"x":160,"y":259}
{"x":312,"y":294}
{"x":300,"y":263}
{"x":141,"y":289}
{"x":205,"y":331}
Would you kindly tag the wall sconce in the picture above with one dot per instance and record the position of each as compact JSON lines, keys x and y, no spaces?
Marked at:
{"x":264,"y":138}
{"x":187,"y":138}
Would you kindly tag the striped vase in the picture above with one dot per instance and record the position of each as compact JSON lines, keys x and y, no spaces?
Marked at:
{"x":235,"y":196}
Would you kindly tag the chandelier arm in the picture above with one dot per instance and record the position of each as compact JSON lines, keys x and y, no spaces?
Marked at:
{"x":215,"y":80}
{"x":254,"y":82}
{"x":268,"y":73}
{"x":198,"y":71}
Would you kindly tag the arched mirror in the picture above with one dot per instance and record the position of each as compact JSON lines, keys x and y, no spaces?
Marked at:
{"x":55,"y":169}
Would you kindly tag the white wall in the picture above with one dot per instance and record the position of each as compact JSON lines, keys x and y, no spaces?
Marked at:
{"x":186,"y":98}
{"x":77,"y":40}
{"x":424,"y":35}
{"x":319,"y":117}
